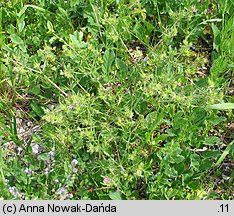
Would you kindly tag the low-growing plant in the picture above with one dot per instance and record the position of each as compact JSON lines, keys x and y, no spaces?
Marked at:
{"x":116,"y":100}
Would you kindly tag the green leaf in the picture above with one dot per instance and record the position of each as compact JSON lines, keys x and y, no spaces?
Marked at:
{"x":32,"y":6}
{"x":143,"y":30}
{"x":122,"y":67}
{"x":62,"y":11}
{"x":22,"y":11}
{"x":216,"y":119}
{"x":199,"y":116}
{"x":108,"y":59}
{"x":50,"y":26}
{"x":211,"y":140}
{"x":139,"y":31}
{"x":43,"y":157}
{"x":217,"y":40}
{"x":74,"y":2}
{"x":211,"y":21}
{"x":16,"y":39}
{"x":195,"y":161}
{"x":35,"y":89}
{"x":37,"y":8}
{"x":36,"y":108}
{"x":225,"y":153}
{"x":221,"y":106}
{"x":193,"y":185}
{"x":153,"y":119}
{"x":171,"y":172}
{"x":211,"y":154}
{"x":180,"y":167}
{"x":115,"y":195}
{"x":177,"y":158}
{"x":74,"y":40}
{"x":22,"y":47}
{"x":21,"y":24}
{"x":206,"y":164}
{"x":140,"y":105}
{"x":216,"y":31}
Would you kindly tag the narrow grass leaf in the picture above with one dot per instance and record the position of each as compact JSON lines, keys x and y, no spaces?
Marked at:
{"x":225,"y":153}
{"x":222,"y":106}
{"x":22,"y":11}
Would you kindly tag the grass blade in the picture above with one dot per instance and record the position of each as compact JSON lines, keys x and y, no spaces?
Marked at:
{"x":222,"y":106}
{"x":225,"y":153}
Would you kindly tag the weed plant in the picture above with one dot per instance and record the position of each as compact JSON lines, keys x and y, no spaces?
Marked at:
{"x":116,"y":99}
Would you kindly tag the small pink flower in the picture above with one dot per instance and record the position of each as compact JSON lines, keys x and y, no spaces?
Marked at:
{"x":106,"y":180}
{"x":195,"y":10}
{"x":71,"y":107}
{"x":74,"y":162}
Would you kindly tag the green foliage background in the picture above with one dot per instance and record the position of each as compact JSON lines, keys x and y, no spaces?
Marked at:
{"x":131,"y":90}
